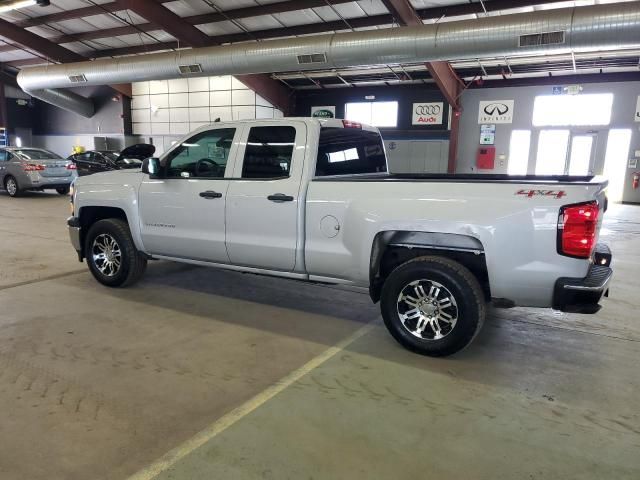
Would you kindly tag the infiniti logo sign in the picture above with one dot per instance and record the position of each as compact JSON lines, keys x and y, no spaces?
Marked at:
{"x":496,"y":109}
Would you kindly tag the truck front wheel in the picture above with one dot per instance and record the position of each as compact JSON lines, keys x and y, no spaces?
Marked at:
{"x":433,"y":305}
{"x":111,"y":254}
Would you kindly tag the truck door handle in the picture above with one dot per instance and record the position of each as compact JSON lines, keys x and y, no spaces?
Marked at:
{"x":280,"y":197}
{"x":210,"y":194}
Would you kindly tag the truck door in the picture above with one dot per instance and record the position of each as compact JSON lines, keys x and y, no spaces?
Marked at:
{"x":263,"y":198}
{"x":182,"y":214}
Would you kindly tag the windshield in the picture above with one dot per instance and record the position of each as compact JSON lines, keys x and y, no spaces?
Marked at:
{"x":113,"y":156}
{"x":33,"y":154}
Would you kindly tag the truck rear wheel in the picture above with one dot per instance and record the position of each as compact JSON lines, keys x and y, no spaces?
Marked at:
{"x":111,"y":254}
{"x":433,"y":306}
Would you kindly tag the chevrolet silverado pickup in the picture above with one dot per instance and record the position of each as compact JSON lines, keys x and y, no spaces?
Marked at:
{"x":311,"y":199}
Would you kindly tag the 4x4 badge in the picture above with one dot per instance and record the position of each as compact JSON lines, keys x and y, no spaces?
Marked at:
{"x":542,"y":193}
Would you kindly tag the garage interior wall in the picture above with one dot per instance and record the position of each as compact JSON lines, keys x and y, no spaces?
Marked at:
{"x":410,"y":148}
{"x":625,"y":96}
{"x":59,"y":131}
{"x":163,"y":111}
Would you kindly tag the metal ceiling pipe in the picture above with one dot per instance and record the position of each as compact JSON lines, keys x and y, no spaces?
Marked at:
{"x":560,"y":31}
{"x":65,"y":99}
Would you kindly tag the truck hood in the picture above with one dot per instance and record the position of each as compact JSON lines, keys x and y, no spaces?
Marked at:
{"x":111,"y":177}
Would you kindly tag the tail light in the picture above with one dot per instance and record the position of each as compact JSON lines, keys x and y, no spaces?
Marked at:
{"x":350,"y":124}
{"x":71,"y":166}
{"x":577,"y":229}
{"x":32,"y":167}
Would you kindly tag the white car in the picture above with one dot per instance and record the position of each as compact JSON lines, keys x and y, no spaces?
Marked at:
{"x":311,"y":199}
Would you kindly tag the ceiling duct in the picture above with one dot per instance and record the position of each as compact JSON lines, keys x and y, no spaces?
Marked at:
{"x":559,"y":31}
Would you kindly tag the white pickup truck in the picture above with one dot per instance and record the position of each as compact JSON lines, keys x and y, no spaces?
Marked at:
{"x":311,"y":199}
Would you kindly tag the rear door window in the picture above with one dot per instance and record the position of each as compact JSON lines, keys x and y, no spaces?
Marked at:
{"x":347,"y":151}
{"x":268,"y":153}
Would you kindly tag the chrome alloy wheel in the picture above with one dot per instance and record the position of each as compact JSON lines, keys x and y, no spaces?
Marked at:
{"x":12,"y":187}
{"x":106,"y":253}
{"x":427,"y":309}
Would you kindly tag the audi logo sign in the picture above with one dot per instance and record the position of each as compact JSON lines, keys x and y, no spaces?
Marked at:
{"x":428,"y":113}
{"x":496,"y":111}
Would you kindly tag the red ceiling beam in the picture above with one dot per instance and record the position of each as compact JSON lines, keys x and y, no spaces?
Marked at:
{"x":272,"y":90}
{"x":37,"y":43}
{"x":246,"y":12}
{"x":46,"y":48}
{"x":442,"y":73}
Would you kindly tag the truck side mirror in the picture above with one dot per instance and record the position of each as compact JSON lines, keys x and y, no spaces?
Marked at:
{"x":151,"y":166}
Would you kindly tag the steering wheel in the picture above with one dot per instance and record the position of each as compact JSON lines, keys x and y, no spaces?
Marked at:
{"x":210,"y":166}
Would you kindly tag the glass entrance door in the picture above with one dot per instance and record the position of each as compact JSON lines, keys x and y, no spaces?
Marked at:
{"x":563,"y":152}
{"x":581,"y":154}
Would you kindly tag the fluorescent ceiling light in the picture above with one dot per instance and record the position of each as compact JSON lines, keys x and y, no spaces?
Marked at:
{"x":16,"y":5}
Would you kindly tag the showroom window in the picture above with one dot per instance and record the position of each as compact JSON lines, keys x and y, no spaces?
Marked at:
{"x":572,"y":110}
{"x":519,"y":152}
{"x":376,"y":114}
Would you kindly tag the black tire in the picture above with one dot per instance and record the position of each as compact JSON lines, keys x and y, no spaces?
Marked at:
{"x":11,"y":191}
{"x":132,"y":264}
{"x":468,"y":305}
{"x":63,"y":190}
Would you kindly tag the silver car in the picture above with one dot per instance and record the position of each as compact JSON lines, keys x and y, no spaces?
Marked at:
{"x":24,"y":168}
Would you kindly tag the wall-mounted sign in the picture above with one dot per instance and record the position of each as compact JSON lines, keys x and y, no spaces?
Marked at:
{"x":487,"y":134}
{"x":638,"y":110}
{"x":558,"y":90}
{"x":428,"y":113}
{"x":323,"y":112}
{"x":496,"y":111}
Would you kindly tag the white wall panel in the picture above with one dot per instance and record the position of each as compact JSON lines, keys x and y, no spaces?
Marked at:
{"x":142,"y":129}
{"x":160,"y":116}
{"x":244,"y":112}
{"x":199,"y":99}
{"x":140,"y":101}
{"x":264,"y":112}
{"x":159,"y":101}
{"x":160,"y":129}
{"x":140,"y":88}
{"x":141,"y":116}
{"x":237,"y":84}
{"x":262,"y":102}
{"x":200,"y":114}
{"x":223,"y":113}
{"x":195,"y":125}
{"x":178,"y":85}
{"x":220,"y":83}
{"x":179,"y":115}
{"x":243,"y":97}
{"x":199,"y":84}
{"x":220,"y":98}
{"x":179,"y":128}
{"x":178,"y":100}
{"x":158,"y":86}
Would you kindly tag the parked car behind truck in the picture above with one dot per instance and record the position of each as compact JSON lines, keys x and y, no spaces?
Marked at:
{"x":96,"y":161}
{"x":23,"y":169}
{"x":310,"y":199}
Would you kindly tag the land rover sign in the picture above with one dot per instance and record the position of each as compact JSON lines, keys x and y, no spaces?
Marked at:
{"x":323,"y":112}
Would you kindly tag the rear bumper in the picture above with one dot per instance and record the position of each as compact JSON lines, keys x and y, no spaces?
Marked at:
{"x":583,"y":295}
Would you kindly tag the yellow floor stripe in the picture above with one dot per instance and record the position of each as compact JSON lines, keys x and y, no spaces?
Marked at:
{"x":174,"y":456}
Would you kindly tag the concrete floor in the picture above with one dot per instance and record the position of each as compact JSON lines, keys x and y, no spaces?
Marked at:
{"x":98,"y":383}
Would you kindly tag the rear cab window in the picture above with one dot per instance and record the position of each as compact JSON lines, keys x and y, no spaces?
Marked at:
{"x":349,"y":151}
